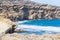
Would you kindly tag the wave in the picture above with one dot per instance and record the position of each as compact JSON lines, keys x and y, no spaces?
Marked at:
{"x":20,"y":22}
{"x":39,"y":28}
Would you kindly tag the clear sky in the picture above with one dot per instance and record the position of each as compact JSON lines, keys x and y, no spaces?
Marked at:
{"x":51,"y":2}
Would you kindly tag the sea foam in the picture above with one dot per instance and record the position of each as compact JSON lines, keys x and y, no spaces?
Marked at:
{"x":37,"y":28}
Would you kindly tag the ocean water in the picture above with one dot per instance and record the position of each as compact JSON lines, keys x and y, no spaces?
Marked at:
{"x":40,"y":26}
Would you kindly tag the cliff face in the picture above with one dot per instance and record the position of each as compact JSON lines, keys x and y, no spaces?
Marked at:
{"x":26,"y":10}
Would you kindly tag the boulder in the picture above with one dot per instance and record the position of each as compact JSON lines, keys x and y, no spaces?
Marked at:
{"x":6,"y":25}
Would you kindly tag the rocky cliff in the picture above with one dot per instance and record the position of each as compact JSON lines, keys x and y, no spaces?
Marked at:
{"x":27,"y":10}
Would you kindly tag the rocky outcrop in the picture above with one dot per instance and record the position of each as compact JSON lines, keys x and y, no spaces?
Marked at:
{"x":6,"y":25}
{"x":16,"y":36}
{"x":26,"y":10}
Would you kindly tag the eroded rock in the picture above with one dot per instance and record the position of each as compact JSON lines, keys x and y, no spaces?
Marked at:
{"x":5,"y":25}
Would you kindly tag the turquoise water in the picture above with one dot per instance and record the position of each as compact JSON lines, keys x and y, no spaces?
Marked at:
{"x":55,"y":23}
{"x":40,"y":26}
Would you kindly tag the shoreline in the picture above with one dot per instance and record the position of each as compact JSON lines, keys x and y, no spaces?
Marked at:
{"x":17,"y":36}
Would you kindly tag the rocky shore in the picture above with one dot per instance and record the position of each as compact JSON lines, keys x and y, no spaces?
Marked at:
{"x":9,"y":31}
{"x":6,"y":25}
{"x":16,"y":36}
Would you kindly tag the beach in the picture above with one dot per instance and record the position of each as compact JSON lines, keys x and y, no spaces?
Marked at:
{"x":16,"y":36}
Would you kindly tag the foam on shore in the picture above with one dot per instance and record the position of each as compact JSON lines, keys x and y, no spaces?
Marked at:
{"x":38,"y":28}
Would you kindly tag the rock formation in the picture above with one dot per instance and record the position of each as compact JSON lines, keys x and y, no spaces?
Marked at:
{"x":17,"y":10}
{"x":6,"y":25}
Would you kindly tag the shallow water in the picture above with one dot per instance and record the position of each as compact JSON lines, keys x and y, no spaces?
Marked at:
{"x":40,"y":26}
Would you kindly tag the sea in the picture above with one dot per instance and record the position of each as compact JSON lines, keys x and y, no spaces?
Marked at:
{"x":39,"y":26}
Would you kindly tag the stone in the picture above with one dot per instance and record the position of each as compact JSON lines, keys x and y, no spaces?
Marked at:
{"x":5,"y":25}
